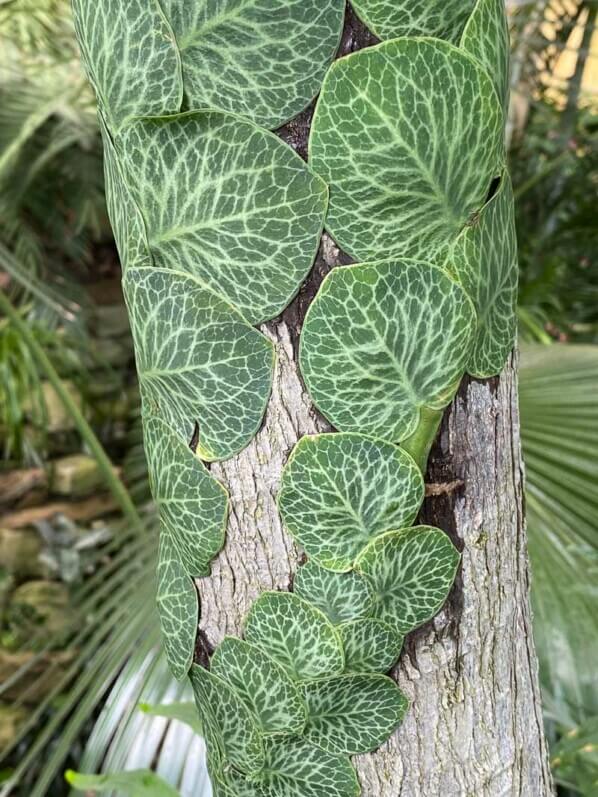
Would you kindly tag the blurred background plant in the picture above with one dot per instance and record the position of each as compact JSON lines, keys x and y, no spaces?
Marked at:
{"x":79,"y":647}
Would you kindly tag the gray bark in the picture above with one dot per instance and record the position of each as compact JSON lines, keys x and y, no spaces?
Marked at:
{"x":475,"y":725}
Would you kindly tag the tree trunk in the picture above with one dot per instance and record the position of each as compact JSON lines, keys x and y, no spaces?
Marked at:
{"x":475,"y":725}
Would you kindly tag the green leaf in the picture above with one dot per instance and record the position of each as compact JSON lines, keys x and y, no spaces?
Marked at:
{"x":296,"y":634}
{"x":338,"y":491}
{"x":370,"y":645}
{"x":130,"y":56}
{"x":353,"y":713}
{"x":198,"y":361}
{"x":263,"y":684}
{"x":486,"y":38}
{"x":125,"y":217}
{"x":178,"y":608}
{"x":193,"y":506}
{"x":183,"y":712}
{"x":411,"y":572}
{"x":136,"y":783}
{"x":484,"y":258}
{"x":263,"y":60}
{"x":559,"y":435}
{"x":388,"y":19}
{"x":227,"y":202}
{"x":409,"y":136}
{"x":295,"y":768}
{"x":229,"y":726}
{"x":341,"y":596}
{"x":383,"y":340}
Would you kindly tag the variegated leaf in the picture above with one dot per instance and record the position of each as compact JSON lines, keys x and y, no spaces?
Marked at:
{"x":131,"y":58}
{"x":484,"y":258}
{"x":381,"y":341}
{"x":353,"y":713}
{"x":125,"y":217}
{"x":409,"y":136}
{"x":193,"y":506}
{"x":178,"y":609}
{"x":265,"y":59}
{"x":486,"y":37}
{"x":227,"y":202}
{"x":229,"y":725}
{"x":199,"y":362}
{"x":341,"y":596}
{"x":338,"y":491}
{"x":411,"y":572}
{"x":263,"y":685}
{"x":370,"y":645}
{"x":296,"y":634}
{"x":295,"y":768}
{"x":388,"y":19}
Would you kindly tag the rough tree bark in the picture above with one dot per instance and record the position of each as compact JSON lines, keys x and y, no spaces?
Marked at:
{"x":475,"y":726}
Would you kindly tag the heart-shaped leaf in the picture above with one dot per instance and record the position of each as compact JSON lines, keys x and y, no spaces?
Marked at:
{"x":382,"y":341}
{"x":409,"y":136}
{"x":198,"y":361}
{"x":370,"y":645}
{"x":486,"y":37}
{"x":228,"y":724}
{"x":263,"y":60}
{"x":340,"y":490}
{"x":411,"y":572}
{"x":178,"y":608}
{"x":341,"y":596}
{"x":295,"y":768}
{"x":353,"y":713}
{"x":484,"y":258}
{"x":227,"y":202}
{"x":296,"y":634}
{"x":263,"y":684}
{"x":130,"y":56}
{"x":193,"y":506}
{"x":388,"y":19}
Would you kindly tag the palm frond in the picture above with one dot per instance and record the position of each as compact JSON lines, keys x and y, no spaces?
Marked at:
{"x":559,"y":430}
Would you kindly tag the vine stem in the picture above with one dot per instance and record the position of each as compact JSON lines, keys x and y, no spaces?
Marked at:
{"x":114,"y":484}
{"x":420,"y":442}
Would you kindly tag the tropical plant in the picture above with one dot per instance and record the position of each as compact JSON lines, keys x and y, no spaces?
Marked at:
{"x":217,"y":223}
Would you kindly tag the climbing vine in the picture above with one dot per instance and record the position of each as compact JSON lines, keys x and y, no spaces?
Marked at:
{"x":217,"y":222}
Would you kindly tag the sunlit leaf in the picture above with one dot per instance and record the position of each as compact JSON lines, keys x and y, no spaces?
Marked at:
{"x":296,"y":634}
{"x":381,"y":341}
{"x":411,"y":572}
{"x":198,"y":361}
{"x":227,"y":202}
{"x":263,"y":684}
{"x":353,"y":713}
{"x":409,"y":136}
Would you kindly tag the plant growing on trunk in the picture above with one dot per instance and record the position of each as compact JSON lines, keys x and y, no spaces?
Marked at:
{"x":218,"y":222}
